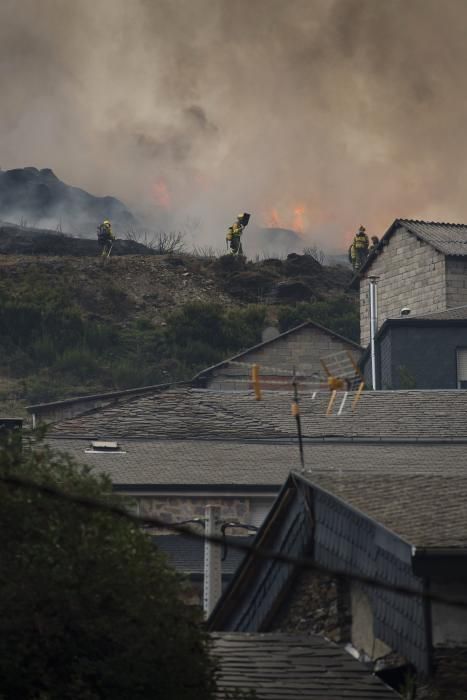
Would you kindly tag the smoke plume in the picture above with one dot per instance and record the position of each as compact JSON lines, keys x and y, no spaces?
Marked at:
{"x":353,"y":111}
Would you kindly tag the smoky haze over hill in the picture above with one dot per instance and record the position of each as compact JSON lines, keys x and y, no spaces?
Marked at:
{"x":312,"y":114}
{"x":38,"y":198}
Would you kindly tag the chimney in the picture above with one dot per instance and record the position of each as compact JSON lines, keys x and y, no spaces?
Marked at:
{"x":373,"y":289}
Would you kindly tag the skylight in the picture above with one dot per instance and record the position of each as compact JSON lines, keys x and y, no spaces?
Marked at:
{"x":105,"y":447}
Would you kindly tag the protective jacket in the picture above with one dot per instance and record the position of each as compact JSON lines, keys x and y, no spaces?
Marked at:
{"x":361,"y":241}
{"x":104,"y":232}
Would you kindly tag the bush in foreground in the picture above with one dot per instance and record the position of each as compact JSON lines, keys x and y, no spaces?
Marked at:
{"x":88,"y":610}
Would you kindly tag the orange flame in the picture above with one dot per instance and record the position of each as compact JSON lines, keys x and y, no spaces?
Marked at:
{"x":161,"y":193}
{"x":297,"y":224}
{"x":274,"y":221}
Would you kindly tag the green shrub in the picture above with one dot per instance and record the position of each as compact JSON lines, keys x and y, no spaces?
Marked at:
{"x":340,"y":315}
{"x":213,"y":331}
{"x":79,"y":362}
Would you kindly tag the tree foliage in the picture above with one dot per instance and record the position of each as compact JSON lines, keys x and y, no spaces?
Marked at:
{"x":88,"y":609}
{"x":340,"y":315}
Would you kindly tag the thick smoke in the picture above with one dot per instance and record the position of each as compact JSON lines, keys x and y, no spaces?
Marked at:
{"x":193,"y":110}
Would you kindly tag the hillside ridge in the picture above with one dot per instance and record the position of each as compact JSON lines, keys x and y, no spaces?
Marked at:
{"x":74,"y":324}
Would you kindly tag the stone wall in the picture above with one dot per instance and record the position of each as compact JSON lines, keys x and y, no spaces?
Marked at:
{"x":456,"y":279}
{"x":301,"y":349}
{"x":317,"y":603}
{"x":411,"y":273}
{"x":175,"y":509}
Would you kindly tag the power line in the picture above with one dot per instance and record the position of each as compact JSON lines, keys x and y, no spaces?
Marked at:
{"x":92,"y":503}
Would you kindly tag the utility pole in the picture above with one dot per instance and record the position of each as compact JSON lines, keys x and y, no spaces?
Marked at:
{"x":373,"y":289}
{"x":296,"y":415}
{"x":212,"y":560}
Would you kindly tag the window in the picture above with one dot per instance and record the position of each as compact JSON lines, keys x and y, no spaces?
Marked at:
{"x":461,"y":368}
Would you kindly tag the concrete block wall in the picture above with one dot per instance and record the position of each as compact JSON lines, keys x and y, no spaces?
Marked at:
{"x":302,"y":349}
{"x":411,"y":273}
{"x":456,"y":282}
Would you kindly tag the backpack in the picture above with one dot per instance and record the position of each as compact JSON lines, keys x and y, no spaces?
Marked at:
{"x":102,"y":233}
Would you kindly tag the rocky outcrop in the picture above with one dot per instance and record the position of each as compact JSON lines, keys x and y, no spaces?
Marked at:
{"x":39,"y":198}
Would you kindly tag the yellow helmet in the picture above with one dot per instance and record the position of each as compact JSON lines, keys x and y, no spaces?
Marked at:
{"x":106,"y":222}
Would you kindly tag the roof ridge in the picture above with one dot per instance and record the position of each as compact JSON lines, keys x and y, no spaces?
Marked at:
{"x":432,"y":223}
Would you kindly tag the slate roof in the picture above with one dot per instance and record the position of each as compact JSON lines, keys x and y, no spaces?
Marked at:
{"x":426,"y":510}
{"x":457,"y":313}
{"x":289,"y":667}
{"x":187,"y":554}
{"x":215,"y":464}
{"x":185,"y":413}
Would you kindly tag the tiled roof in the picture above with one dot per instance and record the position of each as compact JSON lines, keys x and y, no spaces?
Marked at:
{"x":289,"y":667}
{"x":186,"y":464}
{"x":427,"y":510}
{"x":450,"y":239}
{"x":457,"y":313}
{"x":194,"y":413}
{"x":187,"y":554}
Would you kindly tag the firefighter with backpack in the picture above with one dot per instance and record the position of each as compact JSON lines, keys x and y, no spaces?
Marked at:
{"x":358,"y":251}
{"x":234,"y":234}
{"x":105,"y":238}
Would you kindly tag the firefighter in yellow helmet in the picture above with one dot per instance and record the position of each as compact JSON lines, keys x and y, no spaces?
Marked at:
{"x":359,"y":248}
{"x":234,"y":234}
{"x":105,"y":237}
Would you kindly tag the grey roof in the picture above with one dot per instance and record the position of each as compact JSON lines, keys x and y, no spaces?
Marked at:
{"x":457,"y":313}
{"x":450,"y":239}
{"x":187,"y":554}
{"x":187,"y":464}
{"x":426,"y":510}
{"x":289,"y":667}
{"x":185,"y":413}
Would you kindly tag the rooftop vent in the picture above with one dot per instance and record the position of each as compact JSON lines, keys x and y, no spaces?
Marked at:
{"x":105,"y":446}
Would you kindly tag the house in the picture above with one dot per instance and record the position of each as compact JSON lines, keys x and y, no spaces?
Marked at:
{"x":300,"y":348}
{"x":421,"y":352}
{"x":421,"y":266}
{"x":403,"y":527}
{"x":176,"y":450}
{"x":280,"y":666}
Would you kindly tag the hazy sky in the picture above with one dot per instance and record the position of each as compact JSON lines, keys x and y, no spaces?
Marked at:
{"x":342,"y":111}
